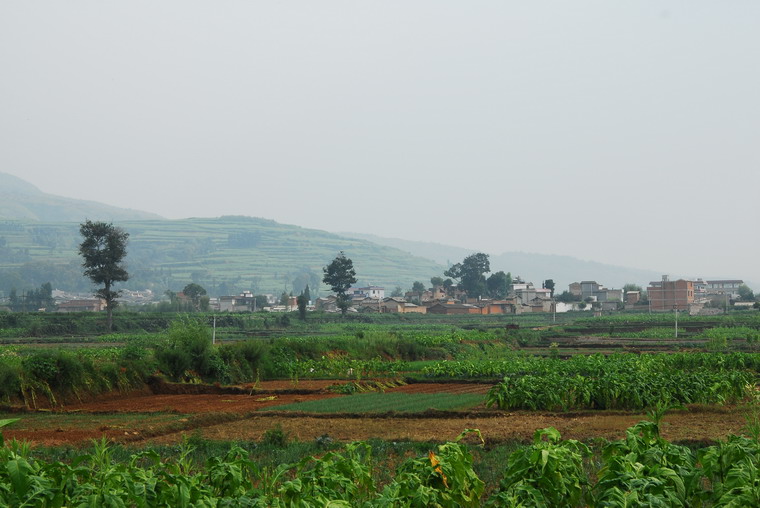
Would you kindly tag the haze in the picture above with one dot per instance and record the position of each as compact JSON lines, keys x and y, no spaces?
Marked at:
{"x":620,"y":132}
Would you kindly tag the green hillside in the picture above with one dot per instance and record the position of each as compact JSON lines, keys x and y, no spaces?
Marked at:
{"x":225,"y":255}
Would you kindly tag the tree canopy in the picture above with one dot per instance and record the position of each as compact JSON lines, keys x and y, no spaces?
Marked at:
{"x":194,"y":292}
{"x":549,"y":284}
{"x":498,"y":284}
{"x":471,"y":274}
{"x":745,"y":293}
{"x":340,"y":276}
{"x":103,"y":249}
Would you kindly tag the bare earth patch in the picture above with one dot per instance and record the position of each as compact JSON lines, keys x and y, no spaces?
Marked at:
{"x":233,"y":416}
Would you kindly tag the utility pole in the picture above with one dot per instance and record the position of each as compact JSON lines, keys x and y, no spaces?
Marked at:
{"x":676,"y":309}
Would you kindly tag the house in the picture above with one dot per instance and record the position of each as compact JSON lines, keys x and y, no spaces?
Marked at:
{"x":82,"y":305}
{"x":507,"y":306}
{"x":592,"y":290}
{"x":328,"y":304}
{"x":244,"y":302}
{"x":723,"y":287}
{"x":539,"y":304}
{"x":398,"y":305}
{"x":376,"y":292}
{"x":368,"y":305}
{"x":667,"y":295}
{"x":453,"y":308}
{"x":392,"y":304}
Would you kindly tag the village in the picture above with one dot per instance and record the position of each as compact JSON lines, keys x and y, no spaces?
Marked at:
{"x":692,"y":296}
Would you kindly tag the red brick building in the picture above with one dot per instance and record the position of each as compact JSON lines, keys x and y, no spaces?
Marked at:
{"x":667,"y":295}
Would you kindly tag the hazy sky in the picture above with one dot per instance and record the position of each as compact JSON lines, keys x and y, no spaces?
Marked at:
{"x":626,"y":132}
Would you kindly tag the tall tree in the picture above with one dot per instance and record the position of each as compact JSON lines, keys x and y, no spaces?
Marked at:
{"x":340,"y":276}
{"x":302,"y":301}
{"x":549,"y":284}
{"x":418,"y":288}
{"x":498,"y":284}
{"x":103,"y":249}
{"x":746,"y":294}
{"x":471,"y":274}
{"x":194,"y":292}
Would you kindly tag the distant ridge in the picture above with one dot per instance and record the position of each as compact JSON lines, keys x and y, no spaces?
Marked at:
{"x":530,"y":266}
{"x":20,"y":200}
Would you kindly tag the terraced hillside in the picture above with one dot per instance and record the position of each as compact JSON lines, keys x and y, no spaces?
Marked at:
{"x":225,"y":255}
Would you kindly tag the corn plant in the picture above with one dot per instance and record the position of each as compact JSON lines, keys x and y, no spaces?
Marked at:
{"x":548,"y":473}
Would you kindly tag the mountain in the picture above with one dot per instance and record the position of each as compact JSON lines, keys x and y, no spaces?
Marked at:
{"x":225,"y":255}
{"x":529,"y":266}
{"x":39,"y":238}
{"x":20,"y":200}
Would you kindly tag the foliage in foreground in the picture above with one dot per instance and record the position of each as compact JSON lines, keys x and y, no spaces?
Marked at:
{"x":643,"y":469}
{"x":620,"y":381}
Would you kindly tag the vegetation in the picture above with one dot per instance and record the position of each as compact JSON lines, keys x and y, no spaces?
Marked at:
{"x":225,"y":255}
{"x":376,"y":402}
{"x":103,"y":249}
{"x":471,"y":274}
{"x":642,"y":469}
{"x":340,"y":276}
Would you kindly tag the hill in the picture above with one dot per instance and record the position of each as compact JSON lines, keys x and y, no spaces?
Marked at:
{"x":20,"y":200}
{"x":530,"y":266}
{"x":225,"y":255}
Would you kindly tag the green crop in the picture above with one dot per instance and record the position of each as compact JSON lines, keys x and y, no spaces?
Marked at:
{"x":643,"y":469}
{"x":622,"y":381}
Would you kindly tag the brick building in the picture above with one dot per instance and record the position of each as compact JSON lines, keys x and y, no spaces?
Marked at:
{"x":667,"y":295}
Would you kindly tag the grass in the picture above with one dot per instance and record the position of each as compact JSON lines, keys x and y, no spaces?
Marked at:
{"x":384,"y":402}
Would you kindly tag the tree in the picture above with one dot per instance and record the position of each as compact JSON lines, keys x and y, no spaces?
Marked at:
{"x":549,"y":284}
{"x":259,"y":302}
{"x":340,"y":276}
{"x":567,"y":297}
{"x":418,"y":288}
{"x":436,"y":281}
{"x":14,"y":301}
{"x":498,"y":284}
{"x":471,"y":274}
{"x":103,"y":248}
{"x":397,"y":292}
{"x":307,"y":294}
{"x":194,"y":292}
{"x":302,"y":301}
{"x":746,"y":294}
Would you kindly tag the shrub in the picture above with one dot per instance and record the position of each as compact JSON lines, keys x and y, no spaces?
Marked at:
{"x":275,"y":436}
{"x":10,"y":384}
{"x":187,"y":347}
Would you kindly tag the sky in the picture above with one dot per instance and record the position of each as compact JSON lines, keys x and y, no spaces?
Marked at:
{"x":623,"y":132}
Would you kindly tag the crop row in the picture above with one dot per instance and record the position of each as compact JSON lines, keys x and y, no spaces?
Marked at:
{"x":619,"y":390}
{"x":592,"y":365}
{"x":642,"y":469}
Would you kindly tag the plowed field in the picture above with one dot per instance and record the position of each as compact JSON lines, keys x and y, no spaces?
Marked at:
{"x":232,"y":414}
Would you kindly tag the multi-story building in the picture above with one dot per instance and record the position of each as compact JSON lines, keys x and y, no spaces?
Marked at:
{"x":595,"y":291}
{"x":723,"y":287}
{"x":667,"y":295}
{"x":376,"y":292}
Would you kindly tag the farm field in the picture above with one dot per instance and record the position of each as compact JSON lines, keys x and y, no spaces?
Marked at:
{"x":315,"y":391}
{"x":165,"y":418}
